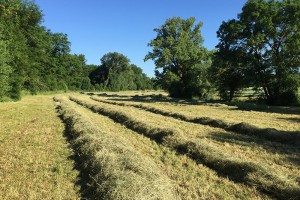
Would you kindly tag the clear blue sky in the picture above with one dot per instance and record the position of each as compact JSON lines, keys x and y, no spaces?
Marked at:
{"x":96,"y":27}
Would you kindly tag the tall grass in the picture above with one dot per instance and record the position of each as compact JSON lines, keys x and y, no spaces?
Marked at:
{"x":240,"y":128}
{"x":201,"y":150}
{"x":115,"y":169}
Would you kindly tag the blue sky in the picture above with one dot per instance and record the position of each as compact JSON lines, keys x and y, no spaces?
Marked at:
{"x":96,"y":27}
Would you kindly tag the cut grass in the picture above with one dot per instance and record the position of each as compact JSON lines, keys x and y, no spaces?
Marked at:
{"x":116,"y":169}
{"x":241,"y":128}
{"x":266,"y":177}
{"x":279,"y":120}
{"x":191,"y":181}
{"x":34,"y":155}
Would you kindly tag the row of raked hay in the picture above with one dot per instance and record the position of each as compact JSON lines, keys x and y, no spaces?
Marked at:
{"x":268,"y":177}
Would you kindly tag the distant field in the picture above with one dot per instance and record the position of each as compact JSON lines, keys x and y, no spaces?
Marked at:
{"x":144,"y":145}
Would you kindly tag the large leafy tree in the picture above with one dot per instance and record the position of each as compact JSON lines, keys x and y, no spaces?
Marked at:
{"x":5,"y":59}
{"x":33,"y":58}
{"x":13,"y":46}
{"x":267,"y":35}
{"x":116,"y":73}
{"x":114,"y":66}
{"x":180,"y":58}
{"x":228,"y":71}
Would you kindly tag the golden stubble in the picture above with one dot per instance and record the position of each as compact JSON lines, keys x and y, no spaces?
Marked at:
{"x":34,"y":155}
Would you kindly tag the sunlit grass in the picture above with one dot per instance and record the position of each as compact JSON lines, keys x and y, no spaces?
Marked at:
{"x":111,"y":165}
{"x":263,"y":157}
{"x":34,"y":161}
{"x":230,"y":114}
{"x":200,"y":161}
{"x":191,"y":180}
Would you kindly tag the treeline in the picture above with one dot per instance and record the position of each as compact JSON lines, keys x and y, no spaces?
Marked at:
{"x":116,"y":74}
{"x":260,"y":49}
{"x":34,"y":59}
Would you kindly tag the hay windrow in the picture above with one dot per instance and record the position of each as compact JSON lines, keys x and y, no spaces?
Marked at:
{"x":270,"y":134}
{"x":115,"y":169}
{"x":252,"y":173}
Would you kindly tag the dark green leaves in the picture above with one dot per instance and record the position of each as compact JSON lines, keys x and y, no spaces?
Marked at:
{"x":178,"y":51}
{"x":264,"y":43}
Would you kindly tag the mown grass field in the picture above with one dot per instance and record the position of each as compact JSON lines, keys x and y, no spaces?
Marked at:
{"x":34,"y":154}
{"x":144,"y":145}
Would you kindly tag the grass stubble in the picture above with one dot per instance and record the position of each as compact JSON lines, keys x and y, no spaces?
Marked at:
{"x":34,"y":155}
{"x":189,"y":179}
{"x":234,"y":161}
{"x":282,"y":118}
{"x":115,"y":169}
{"x":178,"y":160}
{"x":271,"y":134}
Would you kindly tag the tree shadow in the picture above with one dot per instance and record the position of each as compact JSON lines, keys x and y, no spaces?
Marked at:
{"x":240,"y":105}
{"x":260,"y":107}
{"x":291,"y":152}
{"x":83,"y":179}
{"x":291,"y":119}
{"x":154,"y":98}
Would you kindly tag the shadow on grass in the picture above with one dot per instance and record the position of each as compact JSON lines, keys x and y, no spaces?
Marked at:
{"x":83,"y":178}
{"x":291,"y":119}
{"x":204,"y":153}
{"x":260,"y":107}
{"x":235,"y":105}
{"x":240,"y":128}
{"x":291,"y":152}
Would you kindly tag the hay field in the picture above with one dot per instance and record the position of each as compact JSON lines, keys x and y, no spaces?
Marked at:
{"x":34,"y":155}
{"x":145,"y":145}
{"x":273,"y":167}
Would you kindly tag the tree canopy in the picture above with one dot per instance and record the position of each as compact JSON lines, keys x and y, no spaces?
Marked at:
{"x":179,"y":57}
{"x":116,"y":73}
{"x":263,"y":45}
{"x":35,"y":59}
{"x":258,"y":49}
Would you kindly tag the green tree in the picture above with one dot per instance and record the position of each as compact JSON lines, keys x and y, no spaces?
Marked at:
{"x":5,"y":68}
{"x":179,"y":57}
{"x":113,"y":65}
{"x":32,"y":57}
{"x":267,"y":32}
{"x":116,"y":73}
{"x":229,"y":69}
{"x":15,"y":46}
{"x":140,"y":79}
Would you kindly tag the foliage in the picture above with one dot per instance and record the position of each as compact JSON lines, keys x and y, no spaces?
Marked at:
{"x":178,"y":52}
{"x":32,"y":57}
{"x":227,"y":73}
{"x":264,"y":42}
{"x":117,"y":74}
{"x":40,"y":60}
{"x":5,"y":68}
